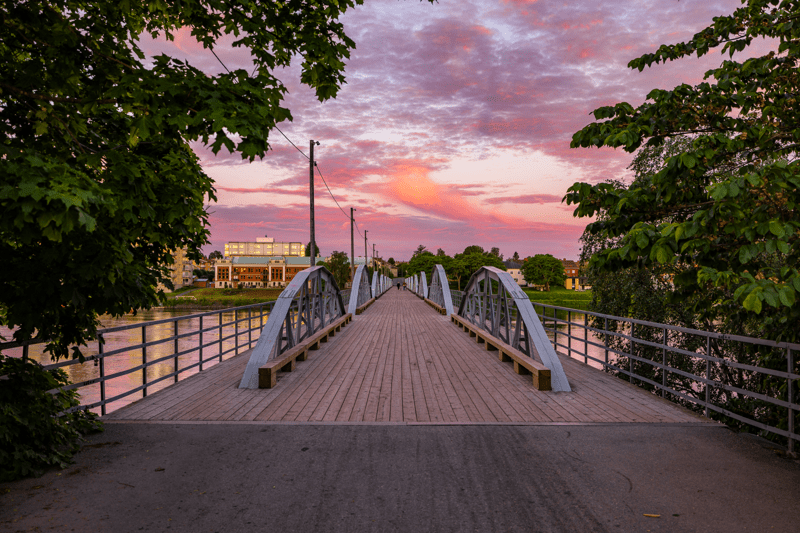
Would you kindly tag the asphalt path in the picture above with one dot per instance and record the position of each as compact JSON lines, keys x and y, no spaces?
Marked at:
{"x":415,"y":478}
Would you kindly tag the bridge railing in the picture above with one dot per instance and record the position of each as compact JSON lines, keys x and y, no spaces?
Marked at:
{"x":698,"y":369}
{"x":167,"y":350}
{"x":310,"y":303}
{"x":360,"y":292}
{"x":439,"y":290}
{"x":493,"y":301}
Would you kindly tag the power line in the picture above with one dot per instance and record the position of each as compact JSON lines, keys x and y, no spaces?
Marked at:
{"x":332,"y":196}
{"x":290,"y":142}
{"x":301,"y":153}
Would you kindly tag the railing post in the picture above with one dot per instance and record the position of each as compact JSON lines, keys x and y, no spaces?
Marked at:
{"x":220,"y":336}
{"x":555,"y":330}
{"x":708,"y":373}
{"x":790,"y":398}
{"x":605,"y":341}
{"x":144,"y":361}
{"x":100,"y":343}
{"x":569,"y":333}
{"x":175,"y":351}
{"x":249,"y":327}
{"x":664,"y":370}
{"x":236,"y":330}
{"x":201,"y":343}
{"x":630,"y":357}
{"x":585,"y":338}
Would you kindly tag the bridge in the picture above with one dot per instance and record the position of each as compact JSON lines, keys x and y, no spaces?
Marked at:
{"x":398,"y":360}
{"x":378,"y":409}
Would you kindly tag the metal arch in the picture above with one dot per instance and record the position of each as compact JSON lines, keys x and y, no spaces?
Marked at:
{"x":423,"y":285}
{"x":309,"y":303}
{"x":494,"y":312}
{"x":375,"y":283}
{"x":439,"y":291}
{"x":360,"y":292}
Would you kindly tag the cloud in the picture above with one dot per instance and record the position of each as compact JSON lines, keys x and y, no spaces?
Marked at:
{"x":432,"y":88}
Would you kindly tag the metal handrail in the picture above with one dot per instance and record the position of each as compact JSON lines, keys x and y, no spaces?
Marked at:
{"x":494,"y":302}
{"x":699,"y":390}
{"x":205,"y":357}
{"x":363,"y":290}
{"x":439,"y":290}
{"x":308,"y":304}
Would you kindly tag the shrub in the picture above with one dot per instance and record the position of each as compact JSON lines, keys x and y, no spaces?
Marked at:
{"x":35,"y":433}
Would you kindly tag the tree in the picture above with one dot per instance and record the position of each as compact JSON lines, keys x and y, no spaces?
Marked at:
{"x":515,"y":257}
{"x":99,"y":184}
{"x":391,"y":261}
{"x":216,"y":254}
{"x":339,"y":265}
{"x":496,"y":252}
{"x":440,"y":253}
{"x":724,"y":205}
{"x":544,"y":269}
{"x":420,"y":249}
{"x":426,"y":262}
{"x":308,"y":249}
{"x":466,"y":264}
{"x":472,"y":250}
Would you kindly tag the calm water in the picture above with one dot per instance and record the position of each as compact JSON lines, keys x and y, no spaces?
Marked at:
{"x":133,"y":357}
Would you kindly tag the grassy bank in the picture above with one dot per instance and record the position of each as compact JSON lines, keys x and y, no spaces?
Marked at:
{"x":561,"y":297}
{"x":220,"y":298}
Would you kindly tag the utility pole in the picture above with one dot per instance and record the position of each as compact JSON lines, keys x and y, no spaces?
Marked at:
{"x":313,"y":244}
{"x":352,"y":249}
{"x":366,"y":263}
{"x":373,"y":257}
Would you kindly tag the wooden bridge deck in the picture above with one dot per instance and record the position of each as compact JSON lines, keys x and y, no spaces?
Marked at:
{"x":400,"y":361}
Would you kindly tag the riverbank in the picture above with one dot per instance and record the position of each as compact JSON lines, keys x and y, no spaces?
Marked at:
{"x":219,"y":298}
{"x":561,"y":297}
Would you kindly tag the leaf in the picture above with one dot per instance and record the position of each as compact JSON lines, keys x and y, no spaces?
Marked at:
{"x":776,"y":228}
{"x":787,"y":296}
{"x":753,"y":302}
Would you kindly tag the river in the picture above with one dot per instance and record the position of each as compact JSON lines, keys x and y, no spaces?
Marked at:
{"x":133,"y":357}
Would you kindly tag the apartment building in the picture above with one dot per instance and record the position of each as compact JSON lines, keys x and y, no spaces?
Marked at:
{"x":574,"y":281}
{"x":181,"y":271}
{"x":258,"y":272}
{"x":264,"y":247}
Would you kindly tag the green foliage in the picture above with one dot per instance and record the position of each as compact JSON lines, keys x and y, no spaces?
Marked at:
{"x":561,"y":297}
{"x":465,"y":264}
{"x":33,"y":437}
{"x":339,"y":265}
{"x":216,"y":254}
{"x":723,"y":205}
{"x":646,"y":291}
{"x":544,"y":269}
{"x":99,"y":183}
{"x":420,"y":250}
{"x":426,"y":262}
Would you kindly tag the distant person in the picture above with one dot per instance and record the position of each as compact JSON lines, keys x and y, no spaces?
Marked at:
{"x":398,"y":286}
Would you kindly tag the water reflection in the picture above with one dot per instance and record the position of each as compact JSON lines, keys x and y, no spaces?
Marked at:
{"x":213,"y":346}
{"x":216,"y":340}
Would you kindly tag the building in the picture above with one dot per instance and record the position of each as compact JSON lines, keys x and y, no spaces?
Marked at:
{"x":265,"y":246}
{"x":573,"y":282}
{"x":257,"y":272}
{"x":515,"y":270}
{"x":181,"y":271}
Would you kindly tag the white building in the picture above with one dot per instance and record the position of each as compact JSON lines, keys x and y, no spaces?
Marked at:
{"x":265,"y":246}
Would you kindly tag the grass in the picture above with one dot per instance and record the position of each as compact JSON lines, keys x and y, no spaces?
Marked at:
{"x":561,"y":297}
{"x":221,"y":298}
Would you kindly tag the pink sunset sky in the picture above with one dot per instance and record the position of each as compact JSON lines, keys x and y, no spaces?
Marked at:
{"x":454,"y":126}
